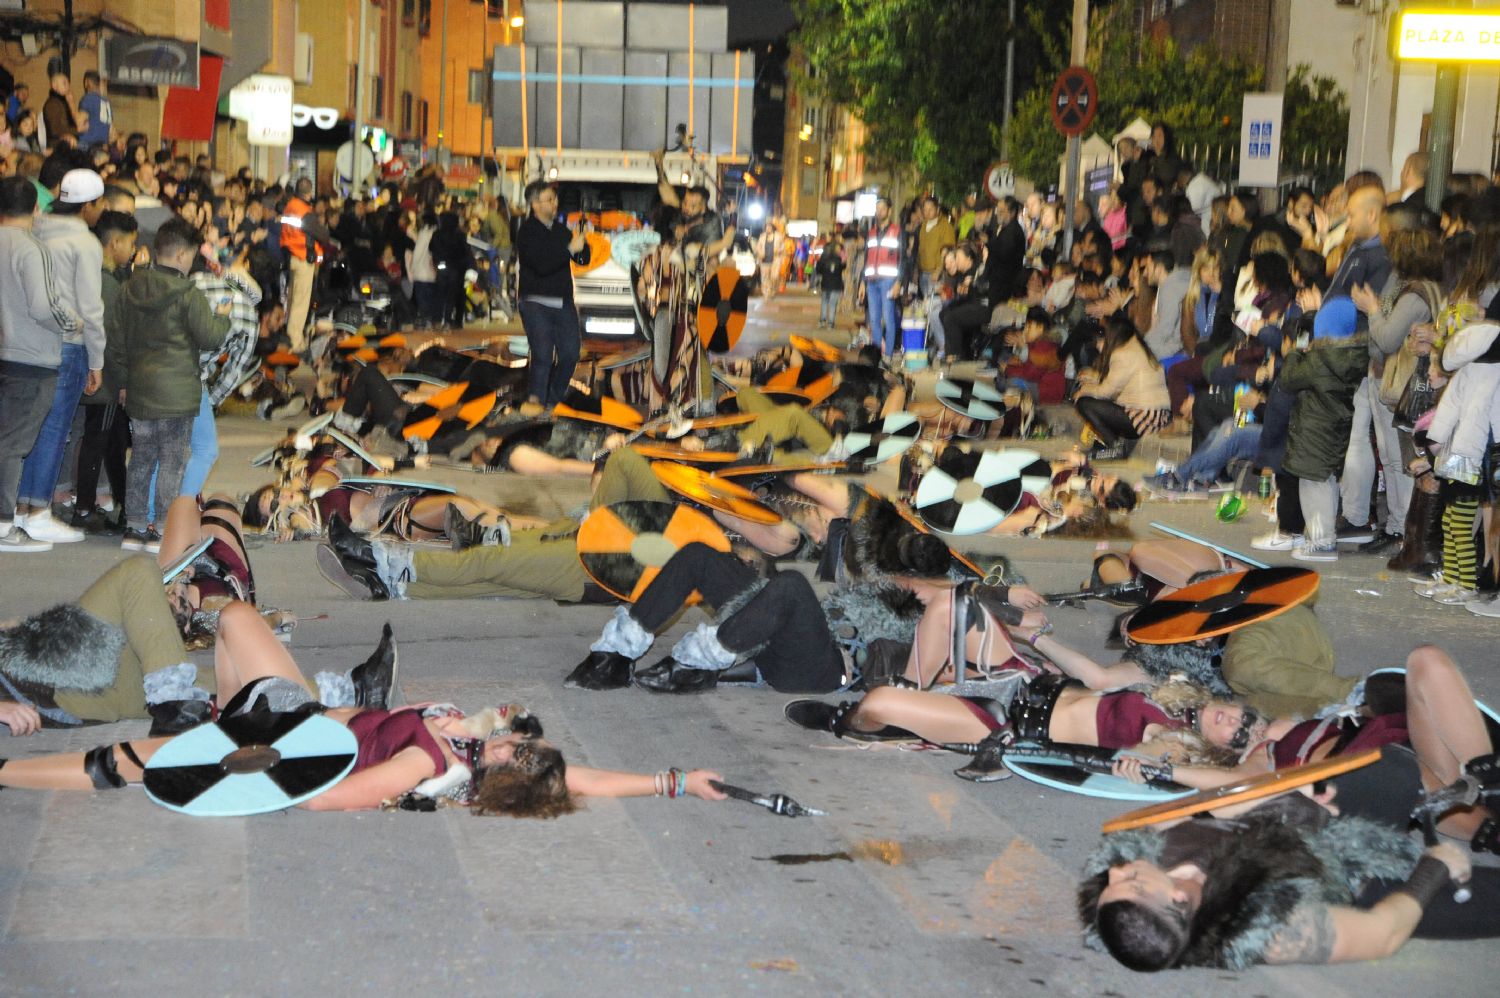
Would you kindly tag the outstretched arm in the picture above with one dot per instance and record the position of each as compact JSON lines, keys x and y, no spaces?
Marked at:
{"x":587,"y":782}
{"x":1084,"y":669}
{"x":367,"y":788}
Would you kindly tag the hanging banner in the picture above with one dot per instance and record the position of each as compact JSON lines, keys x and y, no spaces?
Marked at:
{"x":264,"y":103}
{"x":1260,"y":140}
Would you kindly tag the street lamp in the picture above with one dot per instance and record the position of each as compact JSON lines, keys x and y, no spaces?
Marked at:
{"x":756,"y":211}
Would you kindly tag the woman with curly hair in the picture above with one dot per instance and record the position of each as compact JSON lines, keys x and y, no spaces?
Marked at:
{"x":400,"y":750}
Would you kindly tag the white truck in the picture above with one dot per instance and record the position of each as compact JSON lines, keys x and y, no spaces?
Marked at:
{"x":617,"y":191}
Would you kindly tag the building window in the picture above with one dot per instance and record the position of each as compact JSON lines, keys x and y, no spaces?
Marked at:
{"x":422,"y":125}
{"x":476,"y":86}
{"x":408,"y":12}
{"x":406,"y":112}
{"x":424,"y":18}
{"x":378,"y":98}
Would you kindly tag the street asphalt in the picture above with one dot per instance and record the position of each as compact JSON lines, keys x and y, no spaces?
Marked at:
{"x":915,"y":882}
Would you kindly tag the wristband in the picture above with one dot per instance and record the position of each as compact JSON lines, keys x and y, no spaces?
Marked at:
{"x":1428,"y":878}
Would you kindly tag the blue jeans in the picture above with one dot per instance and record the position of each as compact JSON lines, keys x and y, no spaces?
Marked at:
{"x":549,"y":331}
{"x":44,"y":463}
{"x":203,"y":451}
{"x":829,"y":306}
{"x":1226,"y":443}
{"x":884,"y":320}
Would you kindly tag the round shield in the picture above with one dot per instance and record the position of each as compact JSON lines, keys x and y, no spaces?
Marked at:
{"x":462,"y":403}
{"x":1221,"y":604}
{"x":250,"y":764}
{"x":721,"y":310}
{"x":969,"y":493}
{"x":598,"y":409}
{"x":283,"y":358}
{"x":709,"y":422}
{"x":709,"y":490}
{"x":676,"y":452}
{"x":599,"y":252}
{"x":882,"y":440}
{"x":815,"y":381}
{"x":792,"y":467}
{"x":971,"y":398}
{"x":816,"y":349}
{"x":623,"y":546}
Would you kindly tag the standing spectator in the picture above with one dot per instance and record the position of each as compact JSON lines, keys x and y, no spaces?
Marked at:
{"x":1414,"y":180}
{"x":422,"y":271}
{"x":77,"y":261}
{"x":1162,"y":159}
{"x":1113,"y":220}
{"x":934,"y":238}
{"x":1133,"y":170}
{"x":1365,"y":260}
{"x":831,"y":264}
{"x":25,"y":139}
{"x":451,"y":257}
{"x":883,"y":267}
{"x":33,"y":324}
{"x":58,"y":118}
{"x":222,"y":367}
{"x":161,"y":322}
{"x":544,"y":249}
{"x":100,"y":112}
{"x":304,"y":240}
{"x":1322,"y":377}
{"x":1007,"y":263}
{"x":106,"y":430}
{"x":15,"y":104}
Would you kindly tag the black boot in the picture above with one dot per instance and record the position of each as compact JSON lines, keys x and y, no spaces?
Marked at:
{"x":464,"y":533}
{"x":988,"y":764}
{"x":1422,"y":545}
{"x":376,"y":676}
{"x":173,"y":717}
{"x":348,"y":561}
{"x":671,"y":676}
{"x":602,"y":670}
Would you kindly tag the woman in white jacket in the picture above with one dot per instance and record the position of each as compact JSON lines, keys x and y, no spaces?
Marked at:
{"x":1466,"y":421}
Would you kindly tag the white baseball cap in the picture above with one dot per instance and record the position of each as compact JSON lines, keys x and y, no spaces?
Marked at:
{"x":80,"y":187}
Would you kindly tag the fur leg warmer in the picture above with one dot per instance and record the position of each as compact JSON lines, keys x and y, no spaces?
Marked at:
{"x":175,"y":682}
{"x":623,"y":635}
{"x":335,"y":689}
{"x":393,"y":563}
{"x":701,"y":649}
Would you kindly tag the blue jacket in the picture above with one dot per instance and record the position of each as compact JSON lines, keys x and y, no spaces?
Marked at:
{"x":1365,"y":263}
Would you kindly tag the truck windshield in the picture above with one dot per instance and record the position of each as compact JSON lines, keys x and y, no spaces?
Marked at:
{"x":595,"y":196}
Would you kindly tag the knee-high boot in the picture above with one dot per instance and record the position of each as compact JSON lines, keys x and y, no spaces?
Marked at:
{"x":1422,"y":545}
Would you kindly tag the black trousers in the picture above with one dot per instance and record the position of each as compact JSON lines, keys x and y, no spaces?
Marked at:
{"x":799,"y":653}
{"x":106,"y":439}
{"x":1289,"y":518}
{"x":1111,"y":423}
{"x":371,"y":396}
{"x":962,"y":324}
{"x":1385,"y":793}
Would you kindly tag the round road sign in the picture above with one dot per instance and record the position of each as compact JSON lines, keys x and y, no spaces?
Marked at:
{"x":1075,"y":98}
{"x":999,"y":180}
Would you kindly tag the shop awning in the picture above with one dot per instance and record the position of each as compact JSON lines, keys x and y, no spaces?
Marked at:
{"x":189,"y":114}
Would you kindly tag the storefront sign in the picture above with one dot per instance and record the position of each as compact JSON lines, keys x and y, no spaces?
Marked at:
{"x":264,"y":104}
{"x":143,"y":60}
{"x":1447,"y":36}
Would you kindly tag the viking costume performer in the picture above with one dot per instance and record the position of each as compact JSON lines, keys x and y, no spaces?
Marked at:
{"x":1285,"y":883}
{"x":399,"y":750}
{"x":766,"y":630}
{"x":306,"y":500}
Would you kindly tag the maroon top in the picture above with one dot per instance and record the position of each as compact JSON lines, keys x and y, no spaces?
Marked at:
{"x":383,"y":734}
{"x":234,"y":566}
{"x":335,"y":502}
{"x":1122,"y":719}
{"x":1385,"y":729}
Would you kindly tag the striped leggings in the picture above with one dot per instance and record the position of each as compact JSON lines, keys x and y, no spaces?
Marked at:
{"x":1460,"y":509}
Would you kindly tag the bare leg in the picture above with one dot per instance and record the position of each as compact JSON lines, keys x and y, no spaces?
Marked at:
{"x":934,"y":717}
{"x":829,"y":492}
{"x":531,"y":461}
{"x":248,"y":650}
{"x":774,"y":539}
{"x":1446,"y":728}
{"x":429,"y":513}
{"x":894,"y":402}
{"x":181,"y":531}
{"x":65,"y":771}
{"x":932,"y":649}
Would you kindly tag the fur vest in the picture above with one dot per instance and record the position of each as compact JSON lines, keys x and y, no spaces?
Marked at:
{"x":1197,"y":664}
{"x":1257,"y":877}
{"x":65,"y":647}
{"x":872,"y":611}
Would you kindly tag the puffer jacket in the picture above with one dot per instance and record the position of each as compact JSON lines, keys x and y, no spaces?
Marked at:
{"x":1468,"y":414}
{"x":1322,"y":380}
{"x":158,"y":325}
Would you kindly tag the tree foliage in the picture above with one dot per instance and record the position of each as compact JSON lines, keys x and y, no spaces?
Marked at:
{"x":1198,"y":94}
{"x":927,"y":77}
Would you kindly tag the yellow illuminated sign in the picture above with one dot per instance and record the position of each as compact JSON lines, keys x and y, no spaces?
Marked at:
{"x":1448,"y":36}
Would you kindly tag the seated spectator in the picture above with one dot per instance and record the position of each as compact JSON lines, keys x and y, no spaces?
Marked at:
{"x":1127,"y":397}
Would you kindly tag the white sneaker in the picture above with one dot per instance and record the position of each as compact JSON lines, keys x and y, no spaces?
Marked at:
{"x":1316,"y":551}
{"x":1423,"y":581}
{"x":1276,"y":541}
{"x":1439,"y":588}
{"x":1489,"y":607}
{"x":1459,"y":597}
{"x":42,"y":527}
{"x":15,"y":540}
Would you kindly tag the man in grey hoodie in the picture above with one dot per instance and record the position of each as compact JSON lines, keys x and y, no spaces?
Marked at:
{"x":77,"y":264}
{"x":33,"y":323}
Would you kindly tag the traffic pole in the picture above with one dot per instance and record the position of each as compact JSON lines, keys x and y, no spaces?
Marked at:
{"x":1071,"y":187}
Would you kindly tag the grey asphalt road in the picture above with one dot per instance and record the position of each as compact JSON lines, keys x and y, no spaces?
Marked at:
{"x":915,"y":882}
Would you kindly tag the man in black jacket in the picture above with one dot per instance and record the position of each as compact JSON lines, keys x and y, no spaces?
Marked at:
{"x":544,"y":248}
{"x":1008,"y":252}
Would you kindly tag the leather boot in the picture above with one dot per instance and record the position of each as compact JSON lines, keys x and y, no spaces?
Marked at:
{"x":348,"y":561}
{"x":1422,"y":548}
{"x":602,"y":670}
{"x":671,"y":676}
{"x":374,"y":678}
{"x":988,"y":765}
{"x":173,"y":717}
